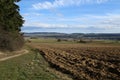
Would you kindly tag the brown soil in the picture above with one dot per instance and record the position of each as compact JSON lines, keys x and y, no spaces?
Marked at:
{"x":84,"y":62}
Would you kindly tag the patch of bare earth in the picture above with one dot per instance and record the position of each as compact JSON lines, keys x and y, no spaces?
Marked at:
{"x":83,"y":62}
{"x":1,"y":53}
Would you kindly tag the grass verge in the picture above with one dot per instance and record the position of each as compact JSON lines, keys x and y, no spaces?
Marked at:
{"x":30,"y":66}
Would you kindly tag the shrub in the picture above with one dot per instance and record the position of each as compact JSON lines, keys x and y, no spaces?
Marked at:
{"x":81,"y":41}
{"x":9,"y":41}
{"x":58,"y":40}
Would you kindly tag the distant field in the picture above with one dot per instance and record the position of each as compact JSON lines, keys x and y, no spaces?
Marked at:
{"x":71,"y":41}
{"x":98,"y":60}
{"x":43,"y":40}
{"x":49,"y":40}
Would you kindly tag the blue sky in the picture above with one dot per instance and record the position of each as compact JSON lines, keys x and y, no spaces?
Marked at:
{"x":71,"y":16}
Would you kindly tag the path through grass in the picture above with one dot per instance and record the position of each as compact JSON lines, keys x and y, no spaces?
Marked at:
{"x":30,"y":66}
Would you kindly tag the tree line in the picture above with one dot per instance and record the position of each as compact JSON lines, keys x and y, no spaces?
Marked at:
{"x":10,"y":25}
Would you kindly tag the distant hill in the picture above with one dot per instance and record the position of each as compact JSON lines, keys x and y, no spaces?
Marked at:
{"x":109,"y":36}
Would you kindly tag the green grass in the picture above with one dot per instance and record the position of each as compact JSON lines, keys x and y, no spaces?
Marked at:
{"x":54,"y":41}
{"x":30,"y":66}
{"x":51,"y":40}
{"x":43,"y":40}
{"x":112,"y":42}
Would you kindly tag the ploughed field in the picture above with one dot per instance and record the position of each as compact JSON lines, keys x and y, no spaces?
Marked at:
{"x":83,"y":61}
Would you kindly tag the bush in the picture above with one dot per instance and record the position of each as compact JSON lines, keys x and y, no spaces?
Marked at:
{"x":58,"y":40}
{"x":10,"y":41}
{"x":81,"y":41}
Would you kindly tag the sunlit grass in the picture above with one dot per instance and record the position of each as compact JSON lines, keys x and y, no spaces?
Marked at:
{"x":30,"y":66}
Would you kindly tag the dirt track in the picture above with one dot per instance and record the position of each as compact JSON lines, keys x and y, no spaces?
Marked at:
{"x":19,"y":53}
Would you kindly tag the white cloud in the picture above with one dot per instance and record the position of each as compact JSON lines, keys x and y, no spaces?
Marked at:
{"x":109,"y":21}
{"x":63,"y":3}
{"x":46,"y":25}
{"x":32,"y":14}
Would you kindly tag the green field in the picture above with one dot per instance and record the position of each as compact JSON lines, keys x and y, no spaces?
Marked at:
{"x":70,"y":41}
{"x":49,"y":40}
